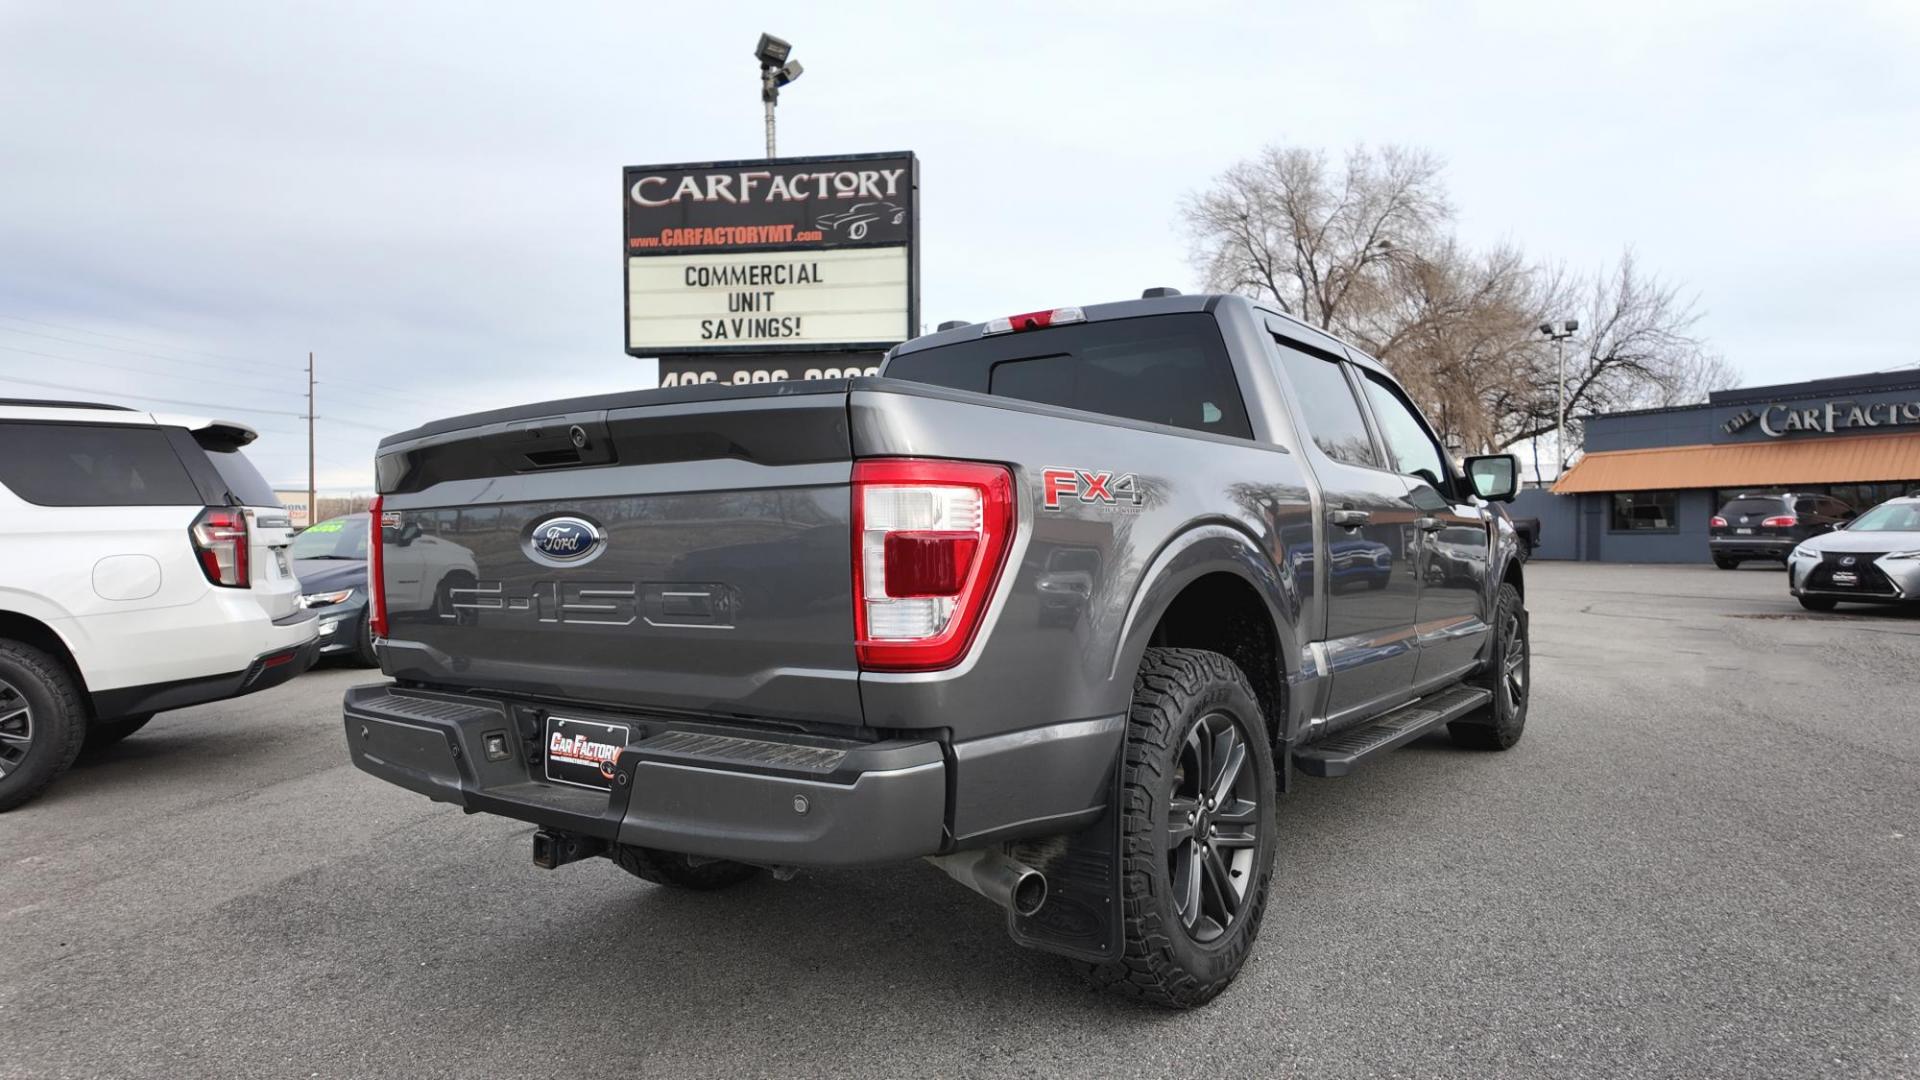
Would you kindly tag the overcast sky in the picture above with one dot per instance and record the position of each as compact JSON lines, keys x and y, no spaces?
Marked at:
{"x":425,"y":195}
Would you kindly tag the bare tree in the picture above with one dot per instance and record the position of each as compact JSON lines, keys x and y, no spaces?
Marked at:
{"x":1637,"y":349}
{"x":1365,"y":249}
{"x":1281,"y":225}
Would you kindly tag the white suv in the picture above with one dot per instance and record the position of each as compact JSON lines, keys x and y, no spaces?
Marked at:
{"x":143,"y":567}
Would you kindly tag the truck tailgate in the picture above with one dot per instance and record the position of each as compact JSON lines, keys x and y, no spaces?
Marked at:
{"x":689,"y":555}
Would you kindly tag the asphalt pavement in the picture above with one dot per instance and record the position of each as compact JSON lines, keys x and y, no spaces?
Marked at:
{"x":1702,"y":860}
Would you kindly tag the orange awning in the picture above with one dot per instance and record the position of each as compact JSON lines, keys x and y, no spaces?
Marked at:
{"x":1851,"y":460}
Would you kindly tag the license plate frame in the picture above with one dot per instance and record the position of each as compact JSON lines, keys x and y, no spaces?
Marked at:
{"x":573,"y":750}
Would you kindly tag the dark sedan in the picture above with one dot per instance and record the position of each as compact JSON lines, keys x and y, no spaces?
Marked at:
{"x":330,"y":559}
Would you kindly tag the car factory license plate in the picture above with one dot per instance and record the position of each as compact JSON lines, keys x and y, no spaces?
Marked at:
{"x":1846,"y":577}
{"x":577,"y":748}
{"x":1744,"y":532}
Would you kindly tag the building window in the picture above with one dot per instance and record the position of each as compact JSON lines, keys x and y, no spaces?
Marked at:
{"x":1863,"y":497}
{"x":1644,"y":511}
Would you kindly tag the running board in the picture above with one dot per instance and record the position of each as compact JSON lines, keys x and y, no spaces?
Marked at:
{"x":1337,"y":754}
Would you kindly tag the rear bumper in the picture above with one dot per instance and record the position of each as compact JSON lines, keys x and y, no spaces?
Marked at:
{"x":1750,"y":547}
{"x":267,"y":670}
{"x":769,"y":798}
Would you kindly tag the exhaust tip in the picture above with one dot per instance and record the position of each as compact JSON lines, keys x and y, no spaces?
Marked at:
{"x":1029,"y":893}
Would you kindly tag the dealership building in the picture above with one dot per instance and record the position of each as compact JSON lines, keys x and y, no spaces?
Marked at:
{"x":1649,"y":481}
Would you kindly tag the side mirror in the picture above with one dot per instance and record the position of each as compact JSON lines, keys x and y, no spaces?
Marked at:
{"x":1495,"y":477}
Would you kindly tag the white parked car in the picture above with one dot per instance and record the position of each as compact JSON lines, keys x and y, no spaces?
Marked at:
{"x":143,"y":567}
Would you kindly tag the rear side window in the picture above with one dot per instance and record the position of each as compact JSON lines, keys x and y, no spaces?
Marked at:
{"x":93,"y":465}
{"x":244,"y":481}
{"x":1327,"y":405}
{"x":1163,"y":369}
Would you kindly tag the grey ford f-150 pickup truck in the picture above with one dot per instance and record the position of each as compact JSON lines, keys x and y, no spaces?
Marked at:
{"x":1059,"y":602}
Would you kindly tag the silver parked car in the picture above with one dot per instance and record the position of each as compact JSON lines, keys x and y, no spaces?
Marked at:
{"x":1875,"y":559}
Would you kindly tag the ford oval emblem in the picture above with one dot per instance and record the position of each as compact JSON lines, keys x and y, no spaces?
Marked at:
{"x":563,"y":540}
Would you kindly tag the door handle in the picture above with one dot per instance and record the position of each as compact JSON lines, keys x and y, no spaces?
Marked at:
{"x":1430,"y":524}
{"x":1350,"y":519}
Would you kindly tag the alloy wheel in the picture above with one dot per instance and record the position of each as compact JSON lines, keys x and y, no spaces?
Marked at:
{"x":1513,"y":677}
{"x":16,"y":728}
{"x":1213,"y":828}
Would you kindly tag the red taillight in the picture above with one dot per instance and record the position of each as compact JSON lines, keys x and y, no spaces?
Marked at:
{"x":1717,"y":522}
{"x":1783,"y":521}
{"x":1035,"y":320}
{"x":929,"y":541}
{"x":219,"y":537}
{"x":376,"y":577}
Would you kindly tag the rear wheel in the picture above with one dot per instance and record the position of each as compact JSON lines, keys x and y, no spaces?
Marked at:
{"x":1499,"y":724}
{"x":42,"y":722}
{"x":1197,"y":834}
{"x":1818,"y":603}
{"x":104,"y":733}
{"x":1725,"y":563}
{"x":680,"y":871}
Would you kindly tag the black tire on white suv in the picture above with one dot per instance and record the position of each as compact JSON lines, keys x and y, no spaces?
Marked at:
{"x":43,"y":722}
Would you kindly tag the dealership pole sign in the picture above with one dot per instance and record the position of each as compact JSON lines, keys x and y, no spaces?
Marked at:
{"x":735,"y":267}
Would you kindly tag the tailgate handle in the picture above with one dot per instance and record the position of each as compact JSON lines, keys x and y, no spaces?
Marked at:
{"x":559,"y":442}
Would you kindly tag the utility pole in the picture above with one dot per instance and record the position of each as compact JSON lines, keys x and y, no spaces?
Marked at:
{"x":313,"y":506}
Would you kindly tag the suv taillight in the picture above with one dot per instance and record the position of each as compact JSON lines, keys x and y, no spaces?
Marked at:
{"x":1782,"y":521}
{"x":376,"y":574}
{"x":929,"y":541}
{"x":219,"y":537}
{"x":1716,"y":522}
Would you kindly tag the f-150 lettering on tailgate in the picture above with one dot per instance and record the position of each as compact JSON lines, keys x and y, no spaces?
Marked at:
{"x":709,"y":605}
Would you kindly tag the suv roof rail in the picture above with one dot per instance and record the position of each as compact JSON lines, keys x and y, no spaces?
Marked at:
{"x":51,"y":403}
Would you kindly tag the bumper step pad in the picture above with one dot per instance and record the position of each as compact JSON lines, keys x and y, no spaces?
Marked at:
{"x":1337,"y":754}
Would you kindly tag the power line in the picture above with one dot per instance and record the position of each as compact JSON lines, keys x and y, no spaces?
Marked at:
{"x":350,"y":423}
{"x":156,"y":374}
{"x":117,"y":337}
{"x":150,"y":397}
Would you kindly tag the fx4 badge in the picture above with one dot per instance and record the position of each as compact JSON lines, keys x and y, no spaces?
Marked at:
{"x":1059,"y":485}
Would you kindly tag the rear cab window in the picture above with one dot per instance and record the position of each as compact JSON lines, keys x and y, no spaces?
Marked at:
{"x":1161,"y":369}
{"x":53,"y":464}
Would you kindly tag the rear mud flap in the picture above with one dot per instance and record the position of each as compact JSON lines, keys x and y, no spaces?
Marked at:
{"x":1082,"y":916}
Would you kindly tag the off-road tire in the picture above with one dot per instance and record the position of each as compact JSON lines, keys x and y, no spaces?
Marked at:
{"x":1818,"y":603}
{"x":1161,"y":962}
{"x":56,"y":713}
{"x":1725,"y":563}
{"x":680,"y":871}
{"x":1500,"y":723}
{"x":104,"y":733}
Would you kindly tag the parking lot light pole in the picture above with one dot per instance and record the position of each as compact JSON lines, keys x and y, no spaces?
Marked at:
{"x":776,"y":71}
{"x":1559,"y":332}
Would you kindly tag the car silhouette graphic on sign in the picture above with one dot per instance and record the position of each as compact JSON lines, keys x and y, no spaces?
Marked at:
{"x":853,"y":221}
